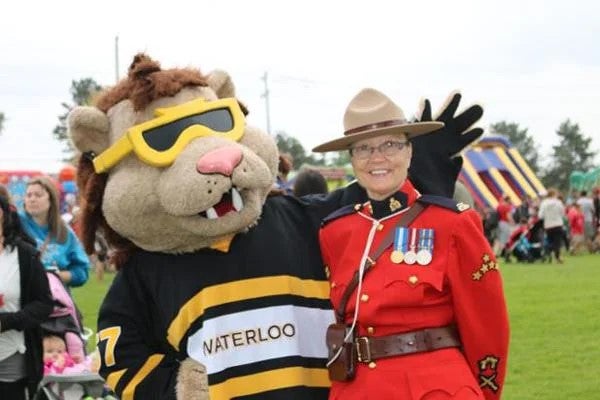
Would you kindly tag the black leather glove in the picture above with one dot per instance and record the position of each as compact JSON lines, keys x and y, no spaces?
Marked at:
{"x":436,"y":162}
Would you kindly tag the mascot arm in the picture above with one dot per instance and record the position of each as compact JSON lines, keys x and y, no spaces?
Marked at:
{"x":436,"y":161}
{"x":320,"y":206}
{"x":131,"y":366}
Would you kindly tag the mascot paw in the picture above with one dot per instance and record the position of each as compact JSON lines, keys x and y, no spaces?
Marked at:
{"x":192,"y":382}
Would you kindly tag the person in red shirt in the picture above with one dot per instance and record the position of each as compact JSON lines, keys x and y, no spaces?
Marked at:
{"x":505,"y":222}
{"x":427,"y":318}
{"x":577,"y":228}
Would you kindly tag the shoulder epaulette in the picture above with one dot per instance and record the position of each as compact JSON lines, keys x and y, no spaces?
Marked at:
{"x":445,"y":202}
{"x":341,"y":212}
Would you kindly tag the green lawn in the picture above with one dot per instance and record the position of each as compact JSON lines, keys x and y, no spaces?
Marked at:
{"x":555,"y":327}
{"x":88,"y":299}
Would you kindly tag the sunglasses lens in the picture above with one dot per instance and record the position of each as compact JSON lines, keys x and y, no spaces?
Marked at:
{"x":164,"y":137}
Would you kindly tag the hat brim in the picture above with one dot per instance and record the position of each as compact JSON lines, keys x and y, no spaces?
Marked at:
{"x":410,"y":130}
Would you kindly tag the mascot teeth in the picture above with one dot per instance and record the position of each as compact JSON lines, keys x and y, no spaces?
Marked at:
{"x":211,"y":213}
{"x":230,"y":202}
{"x":236,"y":199}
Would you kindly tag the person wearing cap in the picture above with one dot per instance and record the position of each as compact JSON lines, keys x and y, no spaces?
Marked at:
{"x":426,"y":314}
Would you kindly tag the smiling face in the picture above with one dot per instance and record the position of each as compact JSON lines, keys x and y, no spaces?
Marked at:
{"x":379,"y":174}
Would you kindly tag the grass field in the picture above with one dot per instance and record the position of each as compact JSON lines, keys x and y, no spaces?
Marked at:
{"x":555,"y":327}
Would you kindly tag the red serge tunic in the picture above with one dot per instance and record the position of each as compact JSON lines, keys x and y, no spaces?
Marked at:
{"x":461,"y":285}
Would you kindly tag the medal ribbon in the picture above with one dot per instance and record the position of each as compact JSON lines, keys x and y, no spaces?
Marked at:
{"x":401,"y":239}
{"x":425,"y":239}
{"x":413,"y":238}
{"x":428,"y":240}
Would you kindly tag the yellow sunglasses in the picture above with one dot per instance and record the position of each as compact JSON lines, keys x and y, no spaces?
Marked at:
{"x":159,"y":141}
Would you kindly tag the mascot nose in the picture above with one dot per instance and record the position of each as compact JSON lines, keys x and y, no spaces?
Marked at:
{"x":220,"y":161}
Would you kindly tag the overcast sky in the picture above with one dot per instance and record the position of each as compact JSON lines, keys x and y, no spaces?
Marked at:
{"x":531,"y":62}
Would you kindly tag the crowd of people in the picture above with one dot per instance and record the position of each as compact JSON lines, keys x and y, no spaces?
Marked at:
{"x":40,"y":333}
{"x":545,"y":227}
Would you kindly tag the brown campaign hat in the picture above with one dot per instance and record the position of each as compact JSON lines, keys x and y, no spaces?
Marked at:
{"x":371,"y":114}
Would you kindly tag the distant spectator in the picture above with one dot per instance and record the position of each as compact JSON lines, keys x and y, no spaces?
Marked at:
{"x":4,"y":192}
{"x":58,"y":245}
{"x":309,"y":181}
{"x":576,"y":228}
{"x":587,"y":208}
{"x":522,"y":211}
{"x":552,"y":211}
{"x":286,"y":163}
{"x":597,"y":209}
{"x":505,"y":223}
{"x":490,"y":225}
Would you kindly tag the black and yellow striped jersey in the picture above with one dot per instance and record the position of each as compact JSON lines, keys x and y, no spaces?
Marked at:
{"x":255,"y":316}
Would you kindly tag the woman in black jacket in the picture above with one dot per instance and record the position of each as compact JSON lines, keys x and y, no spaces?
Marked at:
{"x":25,"y":302}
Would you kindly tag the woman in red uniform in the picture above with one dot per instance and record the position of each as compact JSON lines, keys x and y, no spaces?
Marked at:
{"x":427,"y":318}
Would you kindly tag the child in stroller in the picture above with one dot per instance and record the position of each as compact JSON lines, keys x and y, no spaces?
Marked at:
{"x":67,"y":369}
{"x":527,"y":242}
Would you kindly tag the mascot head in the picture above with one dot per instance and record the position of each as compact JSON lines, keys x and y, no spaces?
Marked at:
{"x":168,"y":163}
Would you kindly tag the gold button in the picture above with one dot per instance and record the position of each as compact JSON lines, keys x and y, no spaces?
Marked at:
{"x":413,"y":279}
{"x":364,"y":297}
{"x":333,"y":284}
{"x":327,"y":272}
{"x":372,"y":365}
{"x":380,"y":227}
{"x":357,"y":207}
{"x":370,"y":330}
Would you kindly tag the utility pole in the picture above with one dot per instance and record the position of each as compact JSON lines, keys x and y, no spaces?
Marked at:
{"x":116,"y":59}
{"x":265,"y":95}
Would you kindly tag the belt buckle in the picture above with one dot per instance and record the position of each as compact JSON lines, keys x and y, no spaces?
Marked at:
{"x":359,"y":353}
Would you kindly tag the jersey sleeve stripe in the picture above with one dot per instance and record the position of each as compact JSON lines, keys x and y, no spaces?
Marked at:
{"x":114,"y":377}
{"x":149,"y":365}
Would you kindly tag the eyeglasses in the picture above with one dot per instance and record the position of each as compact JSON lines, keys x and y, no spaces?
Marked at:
{"x":389,"y":148}
{"x":159,"y":141}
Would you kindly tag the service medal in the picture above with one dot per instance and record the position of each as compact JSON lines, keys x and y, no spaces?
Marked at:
{"x":410,"y":257}
{"x":423,"y":257}
{"x":400,"y":245}
{"x":425,"y":252}
{"x":397,"y":256}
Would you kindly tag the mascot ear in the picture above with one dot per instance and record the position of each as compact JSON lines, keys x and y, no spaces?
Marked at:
{"x":221,"y":83}
{"x":88,"y":128}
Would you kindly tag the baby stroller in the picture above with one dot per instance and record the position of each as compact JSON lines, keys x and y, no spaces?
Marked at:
{"x":527,"y":243}
{"x":65,"y":322}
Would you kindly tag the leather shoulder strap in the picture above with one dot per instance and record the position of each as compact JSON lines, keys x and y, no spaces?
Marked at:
{"x":405,"y":220}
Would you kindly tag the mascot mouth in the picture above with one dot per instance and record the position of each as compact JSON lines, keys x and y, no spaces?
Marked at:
{"x":230,"y":202}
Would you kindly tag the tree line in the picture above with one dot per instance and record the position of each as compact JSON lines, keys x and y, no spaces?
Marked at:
{"x":571,"y":153}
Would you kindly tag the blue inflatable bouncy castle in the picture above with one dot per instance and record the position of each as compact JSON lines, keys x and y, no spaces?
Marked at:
{"x":493,"y":168}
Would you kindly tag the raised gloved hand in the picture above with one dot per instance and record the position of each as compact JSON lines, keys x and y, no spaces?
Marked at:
{"x":436,"y":162}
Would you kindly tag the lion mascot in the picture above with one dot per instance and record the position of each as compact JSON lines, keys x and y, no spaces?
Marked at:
{"x":221,"y":292}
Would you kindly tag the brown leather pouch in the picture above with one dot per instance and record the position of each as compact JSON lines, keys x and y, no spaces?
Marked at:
{"x":343,"y":366}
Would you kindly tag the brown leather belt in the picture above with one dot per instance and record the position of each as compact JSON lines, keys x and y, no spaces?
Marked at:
{"x":370,"y":348}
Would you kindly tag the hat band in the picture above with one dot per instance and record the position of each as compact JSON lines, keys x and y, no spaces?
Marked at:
{"x":369,"y":127}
